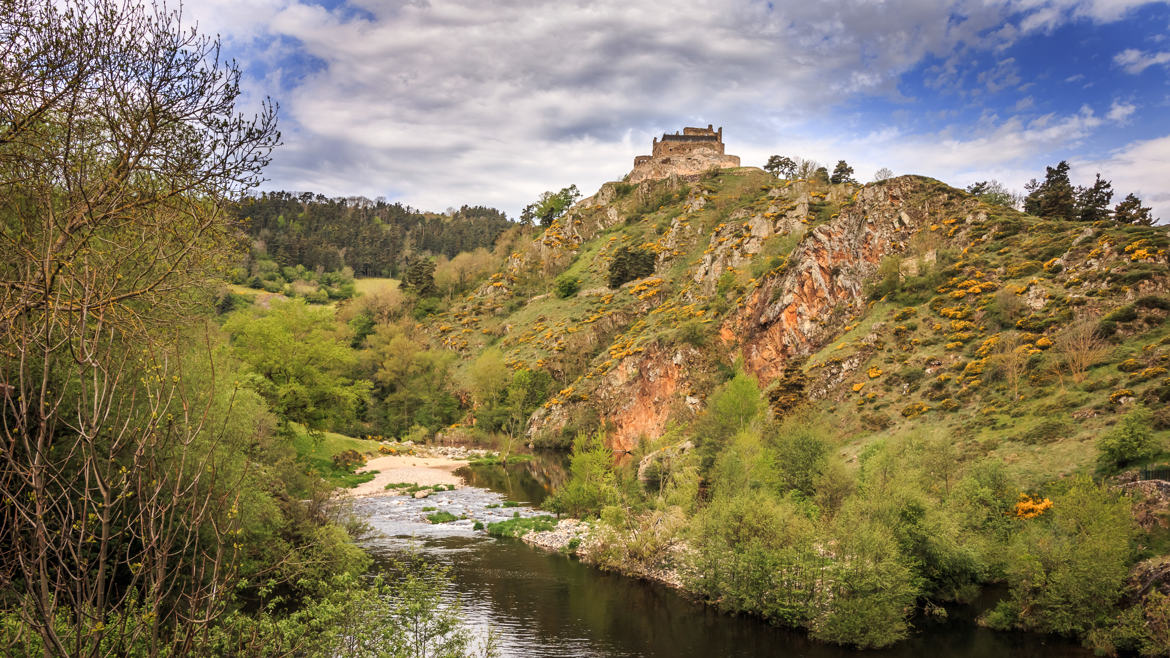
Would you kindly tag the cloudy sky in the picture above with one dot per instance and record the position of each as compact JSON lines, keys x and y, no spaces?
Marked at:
{"x":444,"y":102}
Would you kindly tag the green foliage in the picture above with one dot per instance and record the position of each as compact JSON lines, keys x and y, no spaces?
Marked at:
{"x":1132,"y":442}
{"x":419,"y":277}
{"x":442,"y":517}
{"x":781,"y":166}
{"x":299,"y":362}
{"x":993,"y":193}
{"x":801,"y":455}
{"x":550,"y":206}
{"x":871,"y":587}
{"x":411,"y":384}
{"x":1054,"y":198}
{"x":592,"y":483}
{"x":842,"y":173}
{"x":567,"y":286}
{"x":519,"y":526}
{"x":1131,"y":211}
{"x":630,"y":263}
{"x":1066,"y":568}
{"x":371,"y":237}
{"x":755,"y":553}
{"x":732,"y":407}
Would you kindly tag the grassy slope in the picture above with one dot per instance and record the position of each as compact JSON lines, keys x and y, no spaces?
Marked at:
{"x":1036,"y":435}
{"x":318,"y":453}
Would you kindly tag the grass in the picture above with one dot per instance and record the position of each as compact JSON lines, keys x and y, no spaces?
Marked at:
{"x":495,"y":460}
{"x":442,"y":517}
{"x":317,"y":454}
{"x":369,"y":285}
{"x":410,"y":487}
{"x":518,"y":527}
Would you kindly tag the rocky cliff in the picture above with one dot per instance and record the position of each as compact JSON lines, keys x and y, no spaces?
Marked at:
{"x":890,"y":300}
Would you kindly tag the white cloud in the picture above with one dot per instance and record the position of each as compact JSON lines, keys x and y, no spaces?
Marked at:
{"x":1139,"y":167}
{"x":1120,"y":111}
{"x":447,"y":102}
{"x":1135,"y":61}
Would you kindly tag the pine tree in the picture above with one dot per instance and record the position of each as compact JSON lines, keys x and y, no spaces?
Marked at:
{"x":1055,"y":198}
{"x":1093,"y":202}
{"x":842,"y":173}
{"x":420,"y":277}
{"x":1131,"y":211}
{"x":781,"y":166}
{"x":629,"y":264}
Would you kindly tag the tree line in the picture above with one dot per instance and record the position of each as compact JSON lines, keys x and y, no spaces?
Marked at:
{"x":373,"y":238}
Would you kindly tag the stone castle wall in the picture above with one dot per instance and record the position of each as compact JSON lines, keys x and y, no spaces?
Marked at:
{"x":690,"y":152}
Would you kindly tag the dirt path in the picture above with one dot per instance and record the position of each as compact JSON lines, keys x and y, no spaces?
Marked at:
{"x":416,"y":470}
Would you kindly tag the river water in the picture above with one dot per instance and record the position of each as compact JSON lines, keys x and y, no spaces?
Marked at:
{"x":545,"y":604}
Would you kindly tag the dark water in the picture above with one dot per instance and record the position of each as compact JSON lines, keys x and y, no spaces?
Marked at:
{"x":543,"y":604}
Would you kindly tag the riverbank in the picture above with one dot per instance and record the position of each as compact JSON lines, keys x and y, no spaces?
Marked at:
{"x":579,"y":538}
{"x":421,"y":470}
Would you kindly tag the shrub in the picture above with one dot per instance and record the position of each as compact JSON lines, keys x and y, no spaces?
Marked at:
{"x":517,"y":526}
{"x":629,"y":264}
{"x":1131,"y":442}
{"x":567,"y":286}
{"x":592,"y":484}
{"x":1069,"y":565}
{"x":1127,"y":313}
{"x":442,"y":517}
{"x":348,"y":459}
{"x":1153,"y":301}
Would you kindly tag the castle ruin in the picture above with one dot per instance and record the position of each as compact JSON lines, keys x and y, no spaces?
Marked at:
{"x":692,"y":152}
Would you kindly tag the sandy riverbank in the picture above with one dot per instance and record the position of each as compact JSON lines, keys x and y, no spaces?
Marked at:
{"x":401,"y":468}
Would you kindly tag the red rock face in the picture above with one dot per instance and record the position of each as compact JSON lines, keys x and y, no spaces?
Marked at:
{"x":792,"y":313}
{"x":797,"y":312}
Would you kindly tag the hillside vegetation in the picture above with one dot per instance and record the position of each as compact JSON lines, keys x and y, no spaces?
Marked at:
{"x":870,"y":396}
{"x":834,"y":406}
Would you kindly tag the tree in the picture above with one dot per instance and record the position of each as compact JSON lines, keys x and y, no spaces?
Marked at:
{"x":995,"y":193}
{"x":1079,"y":347}
{"x":821,"y":175}
{"x":630,"y":263}
{"x":882,"y":174}
{"x":1093,"y":201}
{"x":420,"y":277}
{"x":807,"y":169}
{"x":781,"y":166}
{"x":120,"y":147}
{"x":550,"y":206}
{"x":1131,"y":211}
{"x":1068,"y":567}
{"x":1055,"y":198}
{"x":302,"y":363}
{"x":1011,"y":360}
{"x":842,"y":173}
{"x":411,"y":382}
{"x":1130,"y":443}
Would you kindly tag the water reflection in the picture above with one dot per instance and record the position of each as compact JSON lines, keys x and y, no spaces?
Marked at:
{"x":529,"y":481}
{"x":544,"y":604}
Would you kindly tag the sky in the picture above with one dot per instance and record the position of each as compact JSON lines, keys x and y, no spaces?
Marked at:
{"x":442,"y":103}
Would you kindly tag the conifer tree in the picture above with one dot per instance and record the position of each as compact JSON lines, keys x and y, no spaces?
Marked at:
{"x":842,"y":173}
{"x":1131,"y":211}
{"x":1093,"y":201}
{"x":1055,"y":198}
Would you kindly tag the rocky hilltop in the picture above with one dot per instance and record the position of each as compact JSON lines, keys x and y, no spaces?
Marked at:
{"x":883,"y":304}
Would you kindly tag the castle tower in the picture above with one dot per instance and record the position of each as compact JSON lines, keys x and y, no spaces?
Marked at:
{"x":689,"y":153}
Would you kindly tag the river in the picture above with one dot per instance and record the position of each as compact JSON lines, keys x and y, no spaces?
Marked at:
{"x":545,"y":604}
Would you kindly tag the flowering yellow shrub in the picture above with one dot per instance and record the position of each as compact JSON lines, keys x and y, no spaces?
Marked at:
{"x":1029,"y":508}
{"x":874,"y":372}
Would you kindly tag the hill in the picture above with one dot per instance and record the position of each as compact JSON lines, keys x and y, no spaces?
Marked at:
{"x":896,"y":305}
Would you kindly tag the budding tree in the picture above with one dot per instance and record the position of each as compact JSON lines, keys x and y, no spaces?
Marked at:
{"x":119,"y":143}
